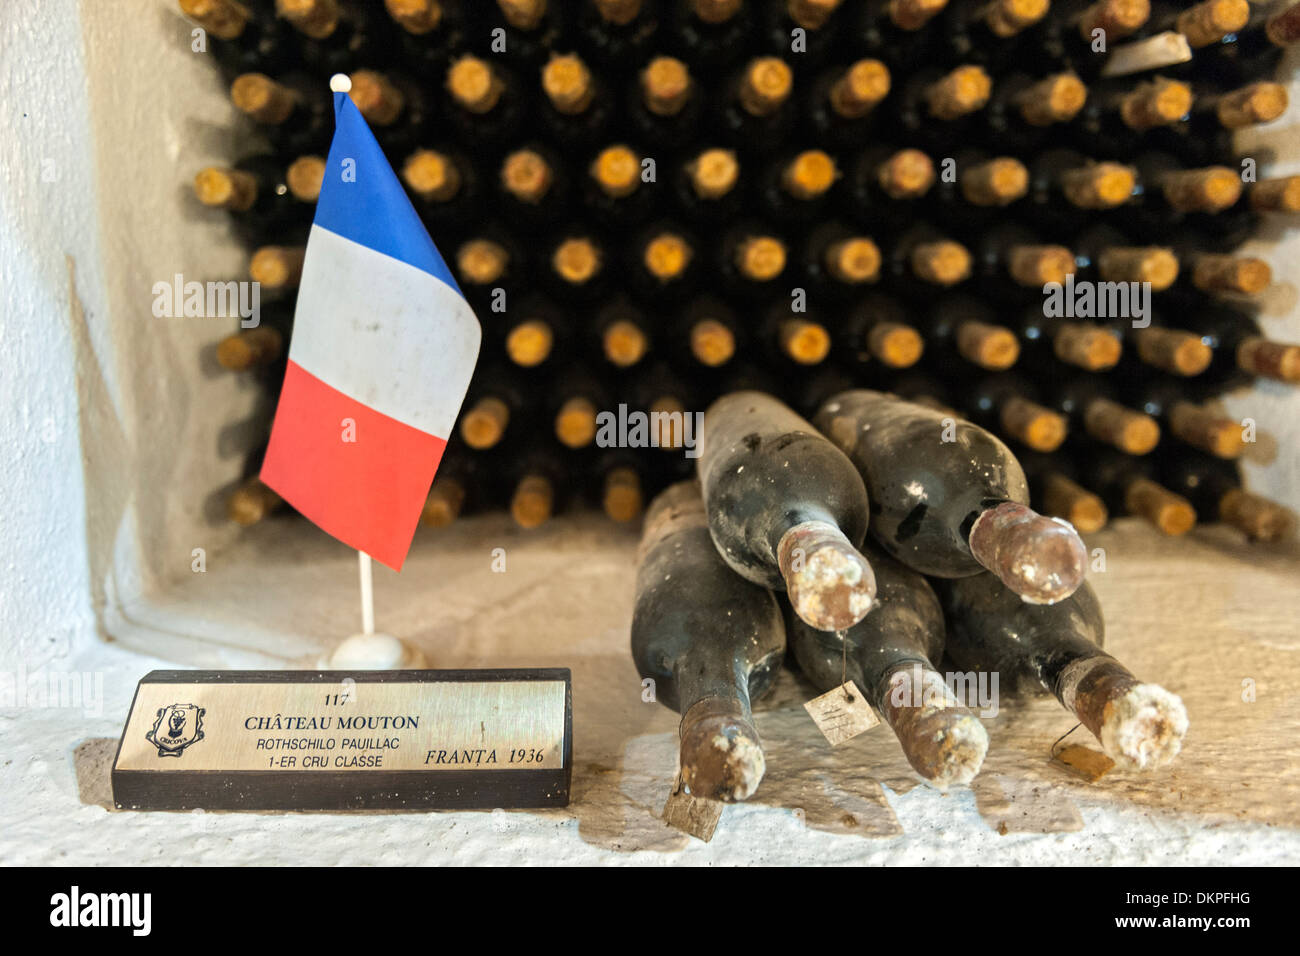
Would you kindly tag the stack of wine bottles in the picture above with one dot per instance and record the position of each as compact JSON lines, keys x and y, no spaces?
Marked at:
{"x":782,"y":505}
{"x":1025,"y":212}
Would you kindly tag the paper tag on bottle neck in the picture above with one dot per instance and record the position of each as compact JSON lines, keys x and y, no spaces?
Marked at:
{"x":692,"y":815}
{"x":841,"y":713}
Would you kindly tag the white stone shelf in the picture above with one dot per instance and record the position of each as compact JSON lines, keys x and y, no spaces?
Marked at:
{"x":1197,"y":615}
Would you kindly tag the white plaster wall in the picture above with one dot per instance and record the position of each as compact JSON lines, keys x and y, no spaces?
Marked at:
{"x":119,"y":432}
{"x":48,"y":248}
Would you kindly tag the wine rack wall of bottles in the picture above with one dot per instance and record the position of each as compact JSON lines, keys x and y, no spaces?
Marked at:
{"x":653,"y":203}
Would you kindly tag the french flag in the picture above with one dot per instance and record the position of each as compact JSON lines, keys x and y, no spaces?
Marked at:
{"x":383,"y":348}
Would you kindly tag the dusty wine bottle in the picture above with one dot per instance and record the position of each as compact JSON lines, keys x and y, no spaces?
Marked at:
{"x":531,"y":29}
{"x":1103,"y":254}
{"x":534,"y":330}
{"x":786,"y":509}
{"x":665,"y":104}
{"x":986,"y":189}
{"x":1276,"y":195}
{"x":488,"y":261}
{"x":244,"y":40}
{"x":248,"y":349}
{"x":710,"y":330}
{"x":619,"y":480}
{"x":576,"y":399}
{"x":710,"y":640}
{"x":1175,"y":351}
{"x":1054,"y":489}
{"x":885,"y":185}
{"x":255,"y":195}
{"x":819,"y":22}
{"x":877,"y":328}
{"x":304,"y":178}
{"x":1011,"y":405}
{"x":251,"y":502}
{"x":1206,"y":139}
{"x":454,"y":489}
{"x":577,"y":263}
{"x":1057,"y":650}
{"x":752,"y":260}
{"x":429,"y":31}
{"x":1171,"y":198}
{"x":1087,"y":186}
{"x":708,"y":186}
{"x":1092,"y":405}
{"x":623,"y":331}
{"x":486,"y":104}
{"x":961,"y":328}
{"x":798,"y":337}
{"x":757,"y":111}
{"x":1203,"y":24}
{"x":664,"y":263}
{"x":335,"y":36}
{"x":618,"y":32}
{"x":1219,"y":274}
{"x":990,"y":34}
{"x":1253,"y":51}
{"x":534,"y":187}
{"x":1010,"y":252}
{"x":669,"y":402}
{"x":890,"y":656}
{"x":277,"y":268}
{"x":924,"y":257}
{"x":1023,"y":109}
{"x":712,"y":34}
{"x":395,"y":108}
{"x":616,"y":193}
{"x":539,"y":472}
{"x":813,"y":386}
{"x":1198,"y":426}
{"x":951,"y":508}
{"x":294,"y":112}
{"x":934,"y":109}
{"x":1213,"y":486}
{"x":1084,"y":345}
{"x":1119,"y":115}
{"x":1239,"y":347}
{"x":796,"y":186}
{"x":494,"y":401}
{"x":841,"y":105}
{"x":1131,"y":486}
{"x":1210,"y":189}
{"x":895,"y":31}
{"x":838,"y":262}
{"x":444,"y":187}
{"x":576,"y":106}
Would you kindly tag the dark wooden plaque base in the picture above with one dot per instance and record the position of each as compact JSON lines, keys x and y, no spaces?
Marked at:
{"x":347,"y":740}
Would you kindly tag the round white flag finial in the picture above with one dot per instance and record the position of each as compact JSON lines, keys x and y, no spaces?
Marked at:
{"x":341,"y":83}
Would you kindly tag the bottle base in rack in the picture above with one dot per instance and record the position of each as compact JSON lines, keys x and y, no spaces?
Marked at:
{"x":789,"y":185}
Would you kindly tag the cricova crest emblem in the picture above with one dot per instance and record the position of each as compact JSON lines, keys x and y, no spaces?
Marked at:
{"x":177,"y":726}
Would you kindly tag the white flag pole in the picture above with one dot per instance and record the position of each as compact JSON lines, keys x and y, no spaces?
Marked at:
{"x":367,"y":595}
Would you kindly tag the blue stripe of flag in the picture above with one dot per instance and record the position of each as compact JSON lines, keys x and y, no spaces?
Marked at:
{"x":373,"y":210}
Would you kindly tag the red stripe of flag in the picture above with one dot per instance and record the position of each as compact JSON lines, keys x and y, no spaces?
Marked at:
{"x":333,"y":482}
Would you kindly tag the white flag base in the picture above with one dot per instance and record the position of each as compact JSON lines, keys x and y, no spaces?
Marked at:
{"x":374,"y":652}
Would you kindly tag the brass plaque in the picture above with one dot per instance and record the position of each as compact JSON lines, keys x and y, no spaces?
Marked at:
{"x":334,"y":740}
